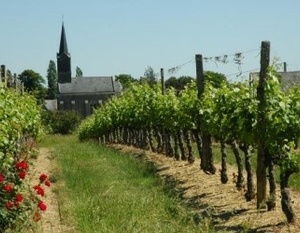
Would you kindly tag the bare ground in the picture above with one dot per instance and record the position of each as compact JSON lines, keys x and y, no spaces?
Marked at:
{"x":204,"y":194}
{"x":51,"y":221}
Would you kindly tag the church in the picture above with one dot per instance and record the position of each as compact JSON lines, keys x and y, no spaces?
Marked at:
{"x":82,"y":94}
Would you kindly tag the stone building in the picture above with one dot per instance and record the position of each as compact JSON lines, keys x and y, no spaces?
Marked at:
{"x":288,"y":78}
{"x":82,"y":94}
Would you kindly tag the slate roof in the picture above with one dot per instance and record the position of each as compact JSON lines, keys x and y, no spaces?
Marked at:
{"x":89,"y":85}
{"x":288,"y":79}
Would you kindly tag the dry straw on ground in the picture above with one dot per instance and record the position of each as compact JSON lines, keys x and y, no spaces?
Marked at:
{"x":205,"y":194}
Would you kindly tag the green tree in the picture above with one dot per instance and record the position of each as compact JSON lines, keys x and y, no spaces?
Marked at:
{"x":179,"y":83}
{"x":78,"y":72}
{"x":215,"y":78}
{"x":171,"y":82}
{"x":33,"y":83}
{"x":125,"y":80}
{"x":149,"y":76}
{"x":52,"y":80}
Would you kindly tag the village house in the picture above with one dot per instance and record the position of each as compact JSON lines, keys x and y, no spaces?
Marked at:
{"x":288,"y":79}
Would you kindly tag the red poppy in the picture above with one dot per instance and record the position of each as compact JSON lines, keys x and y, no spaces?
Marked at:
{"x":8,"y":188}
{"x":9,"y":205}
{"x":22,"y":174}
{"x":19,"y":198}
{"x":48,"y":183}
{"x":22,"y":165}
{"x":42,"y":206}
{"x":1,"y":178}
{"x":39,"y":190}
{"x":43,"y":177}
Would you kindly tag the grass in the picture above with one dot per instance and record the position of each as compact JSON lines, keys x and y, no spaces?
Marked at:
{"x":107,"y":191}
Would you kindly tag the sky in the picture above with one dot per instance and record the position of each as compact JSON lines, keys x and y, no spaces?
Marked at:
{"x":112,"y":37}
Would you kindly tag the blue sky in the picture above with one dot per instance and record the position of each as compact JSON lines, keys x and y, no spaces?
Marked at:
{"x":110,"y":37}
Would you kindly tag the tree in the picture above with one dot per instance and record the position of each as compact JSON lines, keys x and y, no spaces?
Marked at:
{"x":171,"y":82}
{"x":215,"y":78}
{"x":149,"y":76}
{"x":52,"y":80}
{"x":33,"y":83}
{"x":179,"y":83}
{"x":78,"y":72}
{"x":125,"y":80}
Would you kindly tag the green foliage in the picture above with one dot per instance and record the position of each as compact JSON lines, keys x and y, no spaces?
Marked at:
{"x":79,"y":72}
{"x":290,"y":163}
{"x":33,"y":83}
{"x":20,"y":127}
{"x":32,"y":80}
{"x":215,"y":79}
{"x":149,"y":77}
{"x":125,"y":79}
{"x":226,"y":110}
{"x":62,"y":122}
{"x":179,"y":83}
{"x":52,"y":80}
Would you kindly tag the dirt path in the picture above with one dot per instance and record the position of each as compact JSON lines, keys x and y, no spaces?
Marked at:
{"x":204,"y":193}
{"x":51,"y":218}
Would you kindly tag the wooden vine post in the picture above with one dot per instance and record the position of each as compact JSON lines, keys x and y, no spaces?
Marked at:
{"x":206,"y":155}
{"x":3,"y":76}
{"x":261,"y":174}
{"x":164,"y":133}
{"x":162,"y":80}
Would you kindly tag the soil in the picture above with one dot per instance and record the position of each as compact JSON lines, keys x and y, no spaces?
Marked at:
{"x":204,"y":194}
{"x":51,"y":221}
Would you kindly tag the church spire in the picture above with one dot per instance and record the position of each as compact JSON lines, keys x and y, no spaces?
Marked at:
{"x":63,"y":59}
{"x":63,"y":47}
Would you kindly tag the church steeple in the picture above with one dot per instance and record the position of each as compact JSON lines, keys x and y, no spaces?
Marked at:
{"x":63,"y":47}
{"x":63,"y":59}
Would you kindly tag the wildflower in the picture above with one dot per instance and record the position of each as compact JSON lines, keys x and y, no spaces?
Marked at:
{"x":47,"y":183}
{"x":22,"y":165}
{"x":42,"y":206}
{"x":22,"y":174}
{"x":17,"y":204}
{"x":1,"y":178}
{"x":39,"y":190}
{"x":9,"y":205}
{"x":8,"y":188}
{"x":19,"y":198}
{"x":43,"y":177}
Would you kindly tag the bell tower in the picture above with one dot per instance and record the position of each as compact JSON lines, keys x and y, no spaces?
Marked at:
{"x":63,"y":59}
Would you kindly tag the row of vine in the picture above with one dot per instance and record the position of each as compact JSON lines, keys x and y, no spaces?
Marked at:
{"x":168,"y":122}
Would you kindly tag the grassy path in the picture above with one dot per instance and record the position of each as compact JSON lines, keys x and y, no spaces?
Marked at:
{"x":105,"y":191}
